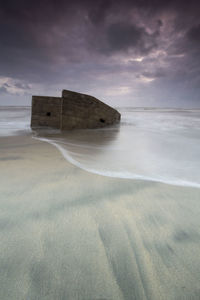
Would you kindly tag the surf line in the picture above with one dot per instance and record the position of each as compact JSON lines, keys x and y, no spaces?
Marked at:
{"x":122,"y":175}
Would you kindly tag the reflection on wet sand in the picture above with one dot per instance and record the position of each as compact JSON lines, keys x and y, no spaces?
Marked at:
{"x":93,"y":140}
{"x":83,"y":147}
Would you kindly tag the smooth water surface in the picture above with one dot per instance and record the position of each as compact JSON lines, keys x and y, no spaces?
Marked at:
{"x":152,"y":144}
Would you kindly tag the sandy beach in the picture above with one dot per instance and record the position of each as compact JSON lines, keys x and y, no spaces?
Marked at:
{"x":100,"y":150}
{"x":69,"y":234}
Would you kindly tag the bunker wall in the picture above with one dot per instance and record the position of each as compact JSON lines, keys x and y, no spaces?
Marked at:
{"x":84,"y":111}
{"x":46,"y":111}
{"x":73,"y":110}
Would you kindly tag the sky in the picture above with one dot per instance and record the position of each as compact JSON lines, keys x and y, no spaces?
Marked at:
{"x":126,"y":53}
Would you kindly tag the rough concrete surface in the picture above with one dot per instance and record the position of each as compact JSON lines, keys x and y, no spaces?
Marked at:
{"x":72,"y":111}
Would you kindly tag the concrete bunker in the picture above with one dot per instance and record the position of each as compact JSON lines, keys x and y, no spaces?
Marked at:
{"x":72,"y":111}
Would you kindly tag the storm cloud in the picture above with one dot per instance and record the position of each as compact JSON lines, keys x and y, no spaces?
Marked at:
{"x":138,"y":53}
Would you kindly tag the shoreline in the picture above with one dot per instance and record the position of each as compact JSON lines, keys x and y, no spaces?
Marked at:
{"x":58,"y":152}
{"x":69,"y":234}
{"x":116,"y":174}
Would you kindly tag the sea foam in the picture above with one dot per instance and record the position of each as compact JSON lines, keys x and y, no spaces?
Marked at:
{"x":160,"y":145}
{"x":154,"y":145}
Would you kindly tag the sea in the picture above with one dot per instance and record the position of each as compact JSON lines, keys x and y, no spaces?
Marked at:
{"x":132,"y":232}
{"x":153,"y":144}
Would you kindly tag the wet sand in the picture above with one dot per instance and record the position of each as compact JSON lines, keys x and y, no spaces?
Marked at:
{"x":69,"y":234}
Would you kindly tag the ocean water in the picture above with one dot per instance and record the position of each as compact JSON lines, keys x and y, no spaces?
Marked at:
{"x":160,"y":145}
{"x":14,"y":120}
{"x":68,"y":234}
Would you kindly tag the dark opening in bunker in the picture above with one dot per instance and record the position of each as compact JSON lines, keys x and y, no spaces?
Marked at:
{"x":48,"y":114}
{"x":102,"y":120}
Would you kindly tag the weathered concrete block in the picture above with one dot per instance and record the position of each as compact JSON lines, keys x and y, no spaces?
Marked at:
{"x":72,"y":110}
{"x":46,"y":111}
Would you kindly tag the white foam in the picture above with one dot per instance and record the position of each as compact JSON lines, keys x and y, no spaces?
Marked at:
{"x":150,"y":144}
{"x":154,"y":145}
{"x":123,"y":175}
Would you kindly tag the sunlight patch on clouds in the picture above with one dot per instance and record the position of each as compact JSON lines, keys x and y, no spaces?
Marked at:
{"x":158,"y":53}
{"x":138,"y":59}
{"x":116,"y":91}
{"x":145,"y":79}
{"x":177,"y":55}
{"x":128,"y":59}
{"x":12,"y":86}
{"x":3,"y":80}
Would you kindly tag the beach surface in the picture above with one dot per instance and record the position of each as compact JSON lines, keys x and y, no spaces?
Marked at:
{"x":69,"y":234}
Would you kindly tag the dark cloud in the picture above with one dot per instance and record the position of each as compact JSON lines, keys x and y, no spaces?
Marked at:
{"x":91,"y":45}
{"x":98,"y":13}
{"x":194,"y":34}
{"x":123,"y":36}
